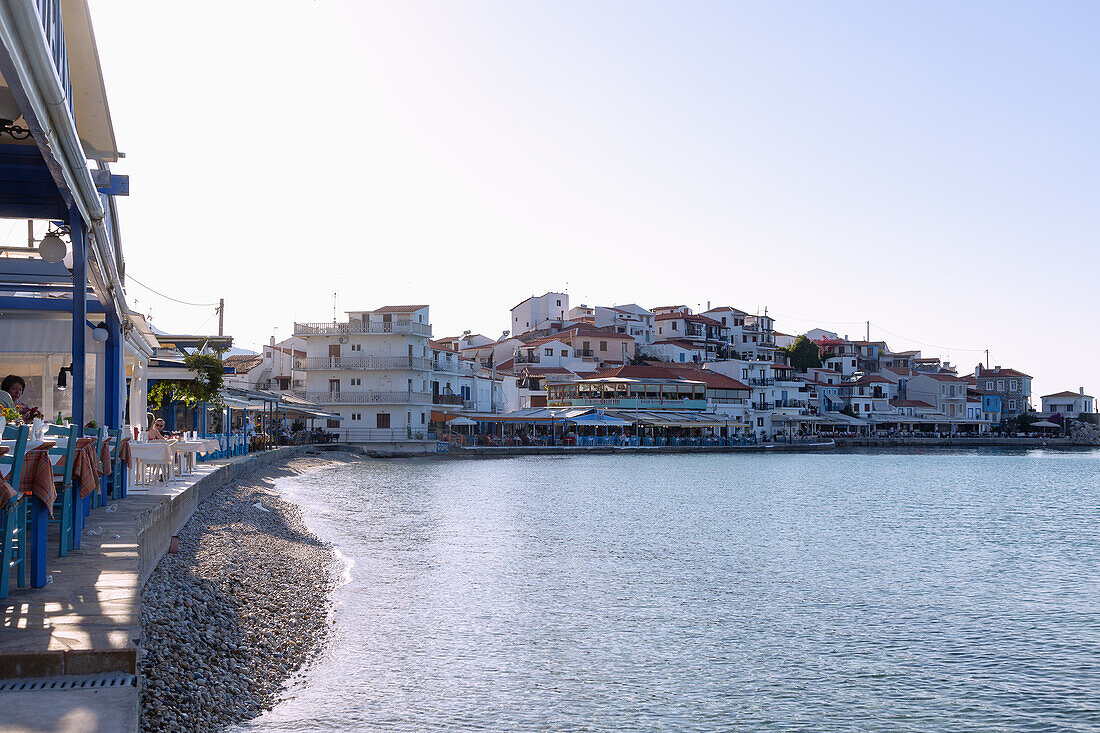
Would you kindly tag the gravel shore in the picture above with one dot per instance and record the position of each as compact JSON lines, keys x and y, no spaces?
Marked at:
{"x":242,"y":606}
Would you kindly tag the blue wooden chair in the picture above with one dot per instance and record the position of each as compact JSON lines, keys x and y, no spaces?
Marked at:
{"x":112,"y":482}
{"x":13,"y":514}
{"x":97,"y":498}
{"x":65,"y":507}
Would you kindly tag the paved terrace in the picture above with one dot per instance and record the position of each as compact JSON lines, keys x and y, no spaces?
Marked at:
{"x":85,"y":624}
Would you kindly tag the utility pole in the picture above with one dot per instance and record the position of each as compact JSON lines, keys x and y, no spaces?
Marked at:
{"x":987,"y":358}
{"x":30,"y":233}
{"x":221,"y":316}
{"x":868,"y":330}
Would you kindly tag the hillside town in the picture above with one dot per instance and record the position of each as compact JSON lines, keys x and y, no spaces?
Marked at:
{"x":650,"y":372}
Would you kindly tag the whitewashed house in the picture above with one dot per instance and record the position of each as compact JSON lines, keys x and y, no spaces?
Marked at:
{"x":1069,"y":404}
{"x":532,"y":313}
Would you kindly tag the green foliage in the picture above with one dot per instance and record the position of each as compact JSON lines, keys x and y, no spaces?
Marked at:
{"x":848,"y":411}
{"x":205,"y":387}
{"x":803,"y":354}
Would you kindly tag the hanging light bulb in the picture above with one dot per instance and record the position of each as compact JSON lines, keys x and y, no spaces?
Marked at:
{"x":99,"y":333}
{"x":52,"y":248}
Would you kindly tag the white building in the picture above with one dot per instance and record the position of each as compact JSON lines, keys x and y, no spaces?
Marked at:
{"x":373,"y":370}
{"x":945,"y":392}
{"x":1069,"y":404}
{"x":534,"y":312}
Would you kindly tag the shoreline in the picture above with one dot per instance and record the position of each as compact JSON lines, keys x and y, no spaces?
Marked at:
{"x":242,"y":608}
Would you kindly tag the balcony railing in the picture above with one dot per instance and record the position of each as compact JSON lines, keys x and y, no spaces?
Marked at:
{"x":447,"y":399}
{"x":49,"y":12}
{"x":763,"y":405}
{"x":367,"y":397}
{"x":364,"y":363}
{"x":761,"y":381}
{"x":528,"y":358}
{"x":358,"y":327}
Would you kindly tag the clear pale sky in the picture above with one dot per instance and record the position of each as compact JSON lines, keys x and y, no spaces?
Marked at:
{"x":931,"y":167}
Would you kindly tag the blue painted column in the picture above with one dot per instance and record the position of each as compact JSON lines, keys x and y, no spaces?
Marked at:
{"x":78,"y":236}
{"x":115,"y":386}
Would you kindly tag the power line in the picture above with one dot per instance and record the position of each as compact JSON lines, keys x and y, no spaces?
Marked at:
{"x":922,"y":343}
{"x":169,"y":297}
{"x":880,"y":328}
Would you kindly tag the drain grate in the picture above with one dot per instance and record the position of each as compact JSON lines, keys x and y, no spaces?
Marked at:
{"x":76,"y":683}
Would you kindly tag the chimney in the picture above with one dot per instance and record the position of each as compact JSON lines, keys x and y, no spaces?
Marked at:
{"x":978,"y":371}
{"x":1082,"y":391}
{"x":997,"y":368}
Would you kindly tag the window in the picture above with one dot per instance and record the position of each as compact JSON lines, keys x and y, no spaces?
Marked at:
{"x":675,"y":327}
{"x":548,"y":352}
{"x":989,"y":384}
{"x":356,"y":381}
{"x":422,"y":418}
{"x":1013,"y":385}
{"x":1000,"y":385}
{"x":356,"y":416}
{"x":681,"y":356}
{"x":559,"y":302}
{"x":382,"y":420}
{"x":759,"y":422}
{"x":603,"y":346}
{"x":586,"y":345}
{"x":1012,"y":404}
{"x":564,"y":352}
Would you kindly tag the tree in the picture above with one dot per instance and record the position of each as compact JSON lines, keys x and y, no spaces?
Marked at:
{"x":206,"y":386}
{"x":803,"y":354}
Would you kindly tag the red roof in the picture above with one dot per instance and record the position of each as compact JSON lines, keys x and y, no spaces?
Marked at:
{"x":910,"y":403}
{"x":942,"y":377}
{"x":871,"y":379}
{"x":441,"y":345}
{"x":1066,"y":394}
{"x":712,"y":379}
{"x":398,"y":309}
{"x":687,"y":317}
{"x":985,"y":373}
{"x":681,"y":343}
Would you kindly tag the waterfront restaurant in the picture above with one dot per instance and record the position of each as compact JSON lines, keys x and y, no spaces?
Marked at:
{"x":65,"y":319}
{"x":652,"y":409}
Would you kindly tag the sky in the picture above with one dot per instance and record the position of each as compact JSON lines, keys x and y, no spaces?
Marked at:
{"x":931,"y":167}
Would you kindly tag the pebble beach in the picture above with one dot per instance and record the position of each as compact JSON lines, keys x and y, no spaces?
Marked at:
{"x":236,"y":613}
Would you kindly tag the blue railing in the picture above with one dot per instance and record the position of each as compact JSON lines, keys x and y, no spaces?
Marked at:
{"x":49,"y":11}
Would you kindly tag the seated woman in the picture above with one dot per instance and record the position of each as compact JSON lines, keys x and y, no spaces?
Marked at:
{"x":157,"y":431}
{"x":13,"y":386}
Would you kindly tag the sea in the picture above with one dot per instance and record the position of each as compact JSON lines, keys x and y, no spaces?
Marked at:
{"x":842,"y":591}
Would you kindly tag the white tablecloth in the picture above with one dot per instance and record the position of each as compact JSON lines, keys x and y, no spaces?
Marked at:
{"x":153,"y":451}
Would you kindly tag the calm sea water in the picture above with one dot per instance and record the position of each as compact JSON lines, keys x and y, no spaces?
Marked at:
{"x":934,"y":591}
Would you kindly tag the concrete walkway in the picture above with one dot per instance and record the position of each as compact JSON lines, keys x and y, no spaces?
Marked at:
{"x":86,"y":622}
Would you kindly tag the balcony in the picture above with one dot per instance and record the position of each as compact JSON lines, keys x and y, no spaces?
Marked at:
{"x":362,"y":363}
{"x":447,"y":399}
{"x":631,"y":403}
{"x":761,"y":381}
{"x":398,"y":326}
{"x":366,"y":397}
{"x":763,"y":405}
{"x":528,"y":358}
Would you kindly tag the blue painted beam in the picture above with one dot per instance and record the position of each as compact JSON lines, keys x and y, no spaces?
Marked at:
{"x":16,"y":303}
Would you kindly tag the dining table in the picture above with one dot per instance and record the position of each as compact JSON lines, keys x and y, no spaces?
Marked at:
{"x":152,"y":452}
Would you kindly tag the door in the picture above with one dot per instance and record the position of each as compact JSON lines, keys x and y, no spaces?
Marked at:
{"x":333,"y":354}
{"x":334,"y":389}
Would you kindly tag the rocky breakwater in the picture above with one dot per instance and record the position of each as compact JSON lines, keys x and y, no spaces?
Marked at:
{"x":241,"y":607}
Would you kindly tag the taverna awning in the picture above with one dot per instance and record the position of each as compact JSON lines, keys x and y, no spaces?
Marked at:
{"x":598,"y":420}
